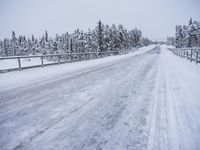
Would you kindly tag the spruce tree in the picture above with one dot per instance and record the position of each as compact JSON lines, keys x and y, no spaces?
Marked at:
{"x":100,"y":36}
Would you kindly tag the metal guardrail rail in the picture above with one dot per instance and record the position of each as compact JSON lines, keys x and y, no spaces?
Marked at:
{"x":58,"y":59}
{"x":193,"y":54}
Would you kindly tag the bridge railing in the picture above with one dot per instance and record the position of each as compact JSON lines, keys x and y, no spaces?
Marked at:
{"x":193,"y":54}
{"x":53,"y":59}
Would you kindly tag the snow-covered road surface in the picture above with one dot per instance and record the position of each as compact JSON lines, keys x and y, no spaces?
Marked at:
{"x":146,"y":101}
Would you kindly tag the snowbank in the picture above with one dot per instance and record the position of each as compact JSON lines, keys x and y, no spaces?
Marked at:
{"x":19,"y":78}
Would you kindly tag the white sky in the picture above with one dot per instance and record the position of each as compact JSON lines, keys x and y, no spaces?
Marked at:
{"x":156,"y":18}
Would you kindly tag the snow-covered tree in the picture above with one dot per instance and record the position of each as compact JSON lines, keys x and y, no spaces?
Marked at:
{"x":188,"y":36}
{"x":102,"y":38}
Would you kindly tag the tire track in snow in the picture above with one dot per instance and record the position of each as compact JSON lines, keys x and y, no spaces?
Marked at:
{"x":159,"y":119}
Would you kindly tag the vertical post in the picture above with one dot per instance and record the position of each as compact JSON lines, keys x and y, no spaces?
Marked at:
{"x":19,"y":63}
{"x":187,"y":54}
{"x":183,"y":53}
{"x":191,"y":56}
{"x":197,"y":56}
{"x":71,"y":58}
{"x":65,"y":56}
{"x":42,"y":62}
{"x":58,"y":59}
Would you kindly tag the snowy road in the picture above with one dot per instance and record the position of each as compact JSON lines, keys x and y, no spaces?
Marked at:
{"x":145,"y":101}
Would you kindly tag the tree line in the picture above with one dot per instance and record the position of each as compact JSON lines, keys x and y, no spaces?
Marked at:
{"x":101,"y":39}
{"x":188,"y":35}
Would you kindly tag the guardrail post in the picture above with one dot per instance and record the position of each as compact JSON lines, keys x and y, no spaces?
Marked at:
{"x":19,"y":63}
{"x":193,"y":54}
{"x":187,"y":54}
{"x":71,"y":58}
{"x":58,"y":59}
{"x":183,"y":53}
{"x":65,"y":58}
{"x":42,"y":62}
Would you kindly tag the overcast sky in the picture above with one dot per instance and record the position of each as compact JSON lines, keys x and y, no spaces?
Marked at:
{"x":155,"y":18}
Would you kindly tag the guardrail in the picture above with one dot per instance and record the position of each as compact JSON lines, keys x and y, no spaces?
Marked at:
{"x":54,"y":59}
{"x":193,"y":54}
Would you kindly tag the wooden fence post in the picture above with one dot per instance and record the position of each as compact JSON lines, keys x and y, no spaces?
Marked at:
{"x":65,"y":57}
{"x":42,"y":61}
{"x":71,"y":55}
{"x":19,"y":63}
{"x":59,"y":59}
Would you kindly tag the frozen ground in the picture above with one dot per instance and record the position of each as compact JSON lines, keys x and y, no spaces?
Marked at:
{"x":148,"y":100}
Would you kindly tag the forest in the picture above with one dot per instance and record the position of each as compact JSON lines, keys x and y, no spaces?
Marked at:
{"x":102,"y":38}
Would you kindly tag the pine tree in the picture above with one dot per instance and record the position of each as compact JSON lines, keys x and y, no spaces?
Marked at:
{"x":179,"y":37}
{"x":188,"y":36}
{"x":32,"y":38}
{"x":107,"y":40}
{"x":5,"y":47}
{"x":71,"y":45}
{"x":116,"y":39}
{"x":190,"y":21}
{"x":13,"y":41}
{"x":100,"y":37}
{"x":46,"y":36}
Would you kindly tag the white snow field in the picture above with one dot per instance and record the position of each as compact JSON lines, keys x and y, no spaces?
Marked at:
{"x":149,"y":100}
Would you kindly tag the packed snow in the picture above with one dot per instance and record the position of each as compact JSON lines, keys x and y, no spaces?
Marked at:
{"x":147,"y":100}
